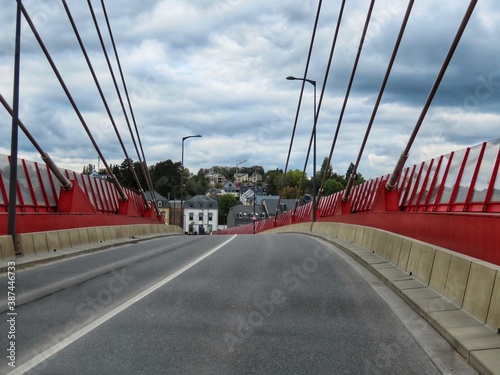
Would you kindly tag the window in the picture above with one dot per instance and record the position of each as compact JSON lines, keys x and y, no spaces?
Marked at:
{"x":263,"y":215}
{"x":210,"y":215}
{"x":191,"y":216}
{"x":240,"y":215}
{"x":200,"y":216}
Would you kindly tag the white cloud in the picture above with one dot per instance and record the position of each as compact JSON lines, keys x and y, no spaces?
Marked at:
{"x":218,"y":69}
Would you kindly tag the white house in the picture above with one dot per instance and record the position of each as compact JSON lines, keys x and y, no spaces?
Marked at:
{"x":201,"y":215}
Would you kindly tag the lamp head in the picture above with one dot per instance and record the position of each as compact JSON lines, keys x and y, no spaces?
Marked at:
{"x":191,"y":136}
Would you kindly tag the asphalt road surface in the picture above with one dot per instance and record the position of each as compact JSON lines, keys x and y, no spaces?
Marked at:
{"x":264,"y":304}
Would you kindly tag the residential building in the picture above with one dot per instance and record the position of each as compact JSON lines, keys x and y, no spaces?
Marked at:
{"x":231,"y":188}
{"x":241,"y":215}
{"x":201,"y":215}
{"x":265,"y":208}
{"x":248,"y":192}
{"x":246,"y":177}
{"x":163,"y":205}
{"x":215,"y":178}
{"x":240,"y":178}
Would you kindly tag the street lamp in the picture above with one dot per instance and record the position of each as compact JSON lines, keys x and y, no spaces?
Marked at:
{"x":182,"y":177}
{"x":291,"y":78}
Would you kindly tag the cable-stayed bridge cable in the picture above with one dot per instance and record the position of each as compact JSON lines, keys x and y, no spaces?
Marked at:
{"x":391,"y":184}
{"x":117,"y":89}
{"x":121,"y":193}
{"x":298,"y":108}
{"x":103,"y":98}
{"x":349,"y":87}
{"x":65,"y":183}
{"x":352,"y":177}
{"x":132,"y":115}
{"x":325,"y":81}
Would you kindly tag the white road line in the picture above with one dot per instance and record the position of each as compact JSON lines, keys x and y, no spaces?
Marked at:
{"x":96,"y":323}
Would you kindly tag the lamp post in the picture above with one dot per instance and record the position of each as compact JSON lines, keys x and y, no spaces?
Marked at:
{"x":182,"y":177}
{"x":291,"y":78}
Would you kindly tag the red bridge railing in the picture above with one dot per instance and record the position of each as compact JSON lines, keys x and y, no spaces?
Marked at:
{"x":452,"y":201}
{"x":38,"y":192}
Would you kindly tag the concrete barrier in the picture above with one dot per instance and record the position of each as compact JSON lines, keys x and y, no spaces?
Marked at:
{"x":43,"y":242}
{"x":74,"y":236}
{"x":420,"y":261}
{"x":40,"y":244}
{"x":99,"y":234}
{"x":493,"y":319}
{"x":84,"y":236}
{"x":479,"y":292}
{"x":53,"y":241}
{"x":456,"y":282}
{"x":25,"y":244}
{"x":64,"y":239}
{"x":7,"y":249}
{"x":92,"y":235}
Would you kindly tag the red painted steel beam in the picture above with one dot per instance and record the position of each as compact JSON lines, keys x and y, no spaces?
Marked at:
{"x":476,"y":235}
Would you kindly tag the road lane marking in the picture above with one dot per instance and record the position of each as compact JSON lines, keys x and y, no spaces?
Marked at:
{"x":96,"y":323}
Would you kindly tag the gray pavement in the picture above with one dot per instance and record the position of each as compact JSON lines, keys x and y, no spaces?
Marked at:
{"x":237,"y":282}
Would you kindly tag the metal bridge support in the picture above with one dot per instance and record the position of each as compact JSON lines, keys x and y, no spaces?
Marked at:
{"x":343,"y":208}
{"x":386,"y":200}
{"x":74,"y":200}
{"x":128,"y":208}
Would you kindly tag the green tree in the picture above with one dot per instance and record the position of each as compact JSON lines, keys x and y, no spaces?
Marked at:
{"x":274,"y":180}
{"x":249,"y":170}
{"x":332,"y":186}
{"x":289,"y":192}
{"x":163,"y":186}
{"x":293,"y":177}
{"x":167,"y":169}
{"x":125,"y":176}
{"x":196,"y":185}
{"x":226,"y":201}
{"x":349,"y":171}
{"x":326,"y":169}
{"x":359,"y":177}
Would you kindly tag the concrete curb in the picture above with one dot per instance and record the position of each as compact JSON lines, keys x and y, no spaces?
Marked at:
{"x":29,"y":244}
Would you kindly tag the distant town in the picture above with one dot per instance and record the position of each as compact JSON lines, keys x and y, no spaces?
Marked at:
{"x":222,"y":196}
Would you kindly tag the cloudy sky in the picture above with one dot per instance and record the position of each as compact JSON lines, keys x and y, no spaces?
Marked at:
{"x":218,"y":67}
